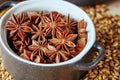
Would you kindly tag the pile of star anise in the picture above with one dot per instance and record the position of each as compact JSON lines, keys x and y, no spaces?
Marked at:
{"x":46,"y":37}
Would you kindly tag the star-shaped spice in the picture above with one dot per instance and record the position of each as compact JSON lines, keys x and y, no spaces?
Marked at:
{"x":82,"y":36}
{"x":53,"y":24}
{"x":40,"y":17}
{"x":18,"y":25}
{"x":56,"y":55}
{"x":26,"y":54}
{"x":38,"y":32}
{"x":38,"y":51}
{"x":19,"y":45}
{"x":82,"y":29}
{"x":69,"y":23}
{"x":64,"y":40}
{"x":32,"y":15}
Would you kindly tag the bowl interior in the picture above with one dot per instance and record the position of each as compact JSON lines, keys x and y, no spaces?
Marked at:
{"x":53,"y":5}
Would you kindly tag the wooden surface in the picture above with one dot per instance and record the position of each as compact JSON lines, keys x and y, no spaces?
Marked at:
{"x":114,"y":8}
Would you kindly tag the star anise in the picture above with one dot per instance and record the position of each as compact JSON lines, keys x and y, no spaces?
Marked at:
{"x":19,"y":45}
{"x":38,"y":32}
{"x":26,"y":54}
{"x":36,"y":17}
{"x":32,"y":15}
{"x":82,"y":36}
{"x":18,"y":25}
{"x":38,"y":51}
{"x":56,"y":55}
{"x":64,"y":41}
{"x":69,"y":23}
{"x":53,"y":23}
{"x":40,"y":17}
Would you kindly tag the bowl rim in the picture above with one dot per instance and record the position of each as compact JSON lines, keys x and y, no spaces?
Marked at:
{"x":71,"y":61}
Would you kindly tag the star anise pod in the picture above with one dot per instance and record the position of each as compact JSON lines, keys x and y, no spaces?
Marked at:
{"x":26,"y":54}
{"x":36,"y":17}
{"x":69,"y":23}
{"x":39,"y":18}
{"x":18,"y":25}
{"x":38,"y":32}
{"x":38,"y":51}
{"x":53,"y":23}
{"x":21,"y":45}
{"x":82,"y":36}
{"x":56,"y":55}
{"x":82,"y":29}
{"x":64,"y":40}
{"x":32,"y":15}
